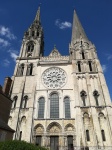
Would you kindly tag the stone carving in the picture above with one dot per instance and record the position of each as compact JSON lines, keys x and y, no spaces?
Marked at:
{"x":54,"y":78}
{"x":54,"y":129}
{"x":69,"y":129}
{"x":39,"y":130}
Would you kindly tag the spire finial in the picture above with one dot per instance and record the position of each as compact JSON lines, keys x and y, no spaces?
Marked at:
{"x":37,"y":18}
{"x":54,"y":46}
{"x":77,"y":29}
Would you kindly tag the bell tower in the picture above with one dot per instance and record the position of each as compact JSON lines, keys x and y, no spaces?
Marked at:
{"x":33,"y":43}
{"x":81,"y":50}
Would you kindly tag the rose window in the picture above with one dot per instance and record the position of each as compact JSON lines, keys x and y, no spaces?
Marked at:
{"x":54,"y":77}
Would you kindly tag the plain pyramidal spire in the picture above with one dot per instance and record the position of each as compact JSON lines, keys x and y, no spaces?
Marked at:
{"x":77,"y":29}
{"x":37,"y":18}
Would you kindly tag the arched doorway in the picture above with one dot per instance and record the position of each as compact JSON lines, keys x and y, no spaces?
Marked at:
{"x":54,"y":130}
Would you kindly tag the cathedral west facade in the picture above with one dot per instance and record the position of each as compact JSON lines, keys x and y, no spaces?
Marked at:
{"x":60,"y":102}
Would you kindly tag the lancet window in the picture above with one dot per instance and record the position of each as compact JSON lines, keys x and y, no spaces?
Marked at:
{"x":79,"y":66}
{"x":83,"y":97}
{"x":41,"y":106}
{"x":14,"y":101}
{"x":103,"y":135}
{"x":54,"y":105}
{"x":24,"y":102}
{"x":67,"y":107}
{"x":96,"y":95}
{"x":87,"y":135}
{"x":30,"y":49}
{"x":20,"y":70}
{"x":83,"y":55}
{"x":29,"y":70}
{"x":90,"y":66}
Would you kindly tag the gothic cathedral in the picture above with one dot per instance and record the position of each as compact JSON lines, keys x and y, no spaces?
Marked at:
{"x":60,"y":102}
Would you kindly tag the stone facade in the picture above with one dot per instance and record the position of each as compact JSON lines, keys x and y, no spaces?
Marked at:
{"x":71,"y":87}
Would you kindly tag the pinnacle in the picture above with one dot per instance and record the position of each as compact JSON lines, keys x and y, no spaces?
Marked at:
{"x":37,"y":18}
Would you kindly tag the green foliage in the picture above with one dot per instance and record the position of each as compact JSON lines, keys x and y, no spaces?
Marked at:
{"x":19,"y":145}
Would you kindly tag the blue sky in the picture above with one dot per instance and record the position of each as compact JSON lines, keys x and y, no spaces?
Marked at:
{"x":56,"y":18}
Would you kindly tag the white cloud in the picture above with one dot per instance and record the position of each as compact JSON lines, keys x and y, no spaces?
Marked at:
{"x":4,"y":31}
{"x":4,"y":43}
{"x":63,"y":25}
{"x":13,"y":54}
{"x":6,"y":62}
{"x":109,"y":57}
{"x":104,"y":68}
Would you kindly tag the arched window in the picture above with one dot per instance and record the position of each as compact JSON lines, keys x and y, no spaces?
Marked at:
{"x":67,"y":107}
{"x":33,"y":33}
{"x":103,"y":135}
{"x":79,"y":66}
{"x":29,"y":70}
{"x":20,"y":136}
{"x":83,"y":55}
{"x":14,"y":101}
{"x":41,"y":103}
{"x":23,"y":120}
{"x":54,"y":105}
{"x":87,"y":135}
{"x":83,"y":97}
{"x":96,"y":95}
{"x":30,"y":48}
{"x":20,"y":70}
{"x":24,"y":102}
{"x":37,"y":33}
{"x":90,"y":66}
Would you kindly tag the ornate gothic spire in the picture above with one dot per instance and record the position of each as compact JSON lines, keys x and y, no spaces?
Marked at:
{"x":77,"y":29}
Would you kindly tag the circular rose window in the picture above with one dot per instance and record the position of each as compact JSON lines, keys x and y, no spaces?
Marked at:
{"x":54,"y":77}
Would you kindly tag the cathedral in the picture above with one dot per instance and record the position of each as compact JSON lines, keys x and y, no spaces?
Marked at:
{"x":60,"y":102}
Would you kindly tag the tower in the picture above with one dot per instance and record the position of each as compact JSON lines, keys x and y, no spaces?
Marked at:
{"x":60,"y":102}
{"x":33,"y":44}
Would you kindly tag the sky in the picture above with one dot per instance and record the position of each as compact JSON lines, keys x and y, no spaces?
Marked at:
{"x":56,"y":18}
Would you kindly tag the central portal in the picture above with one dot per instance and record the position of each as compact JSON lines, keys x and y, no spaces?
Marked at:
{"x":54,"y":143}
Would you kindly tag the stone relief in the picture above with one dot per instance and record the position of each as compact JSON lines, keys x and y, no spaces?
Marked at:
{"x":54,"y":78}
{"x":54,"y":129}
{"x":69,"y":129}
{"x":39,"y":130}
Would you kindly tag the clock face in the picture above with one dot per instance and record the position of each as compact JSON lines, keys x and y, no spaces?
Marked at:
{"x":54,"y":77}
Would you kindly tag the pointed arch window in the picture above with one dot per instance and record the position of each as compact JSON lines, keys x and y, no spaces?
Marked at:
{"x":83,"y":97}
{"x":20,"y":70}
{"x":20,"y":135}
{"x":87,"y":135}
{"x":96,"y":95}
{"x":90,"y":66}
{"x":29,"y":69}
{"x":24,"y":102}
{"x":67,"y":107}
{"x":103,"y":135}
{"x":30,"y":48}
{"x":83,"y":55}
{"x":41,"y":107}
{"x":37,"y":33}
{"x":54,"y":105}
{"x":14,"y":101}
{"x":33,"y":33}
{"x":79,"y":66}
